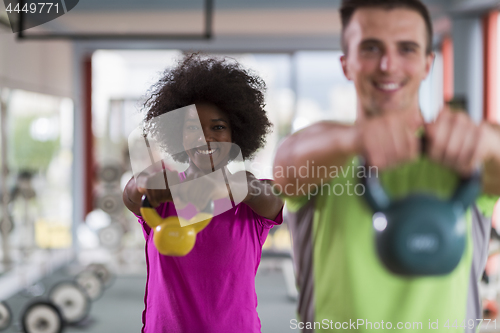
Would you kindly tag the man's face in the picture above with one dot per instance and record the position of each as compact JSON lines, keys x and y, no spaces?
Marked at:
{"x":386,"y":58}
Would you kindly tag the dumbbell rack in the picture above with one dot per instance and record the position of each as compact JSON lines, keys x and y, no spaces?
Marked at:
{"x":41,"y":264}
{"x":64,"y":300}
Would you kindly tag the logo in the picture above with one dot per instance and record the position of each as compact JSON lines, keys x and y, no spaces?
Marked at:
{"x":423,"y":243}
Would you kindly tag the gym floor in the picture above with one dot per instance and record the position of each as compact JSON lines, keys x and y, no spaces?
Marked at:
{"x":120,"y":307}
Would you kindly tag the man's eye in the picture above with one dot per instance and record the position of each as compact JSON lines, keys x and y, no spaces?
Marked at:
{"x":219,"y":127}
{"x":408,"y":49}
{"x":371,"y":49}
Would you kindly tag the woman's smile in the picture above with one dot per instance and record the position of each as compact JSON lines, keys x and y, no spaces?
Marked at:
{"x":207,"y":137}
{"x":206,"y":151}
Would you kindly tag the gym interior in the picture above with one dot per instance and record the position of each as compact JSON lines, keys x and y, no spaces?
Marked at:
{"x":71,"y":93}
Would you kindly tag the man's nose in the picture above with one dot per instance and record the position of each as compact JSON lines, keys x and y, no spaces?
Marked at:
{"x":388,"y":62}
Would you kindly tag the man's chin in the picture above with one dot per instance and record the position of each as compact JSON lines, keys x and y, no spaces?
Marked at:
{"x":385,"y":108}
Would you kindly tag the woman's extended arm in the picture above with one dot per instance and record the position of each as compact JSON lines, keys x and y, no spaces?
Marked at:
{"x":132,"y":197}
{"x":261,"y":199}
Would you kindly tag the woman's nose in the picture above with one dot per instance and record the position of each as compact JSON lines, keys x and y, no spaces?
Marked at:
{"x":205,"y":138}
{"x":208,"y":136}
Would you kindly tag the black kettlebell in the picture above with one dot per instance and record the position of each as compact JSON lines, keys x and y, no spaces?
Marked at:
{"x":420,"y":234}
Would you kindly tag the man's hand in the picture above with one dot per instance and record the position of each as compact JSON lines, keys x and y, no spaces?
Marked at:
{"x":389,"y":140}
{"x":455,"y":141}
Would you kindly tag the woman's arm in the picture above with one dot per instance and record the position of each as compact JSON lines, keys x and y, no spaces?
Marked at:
{"x":261,"y":199}
{"x":132,"y":197}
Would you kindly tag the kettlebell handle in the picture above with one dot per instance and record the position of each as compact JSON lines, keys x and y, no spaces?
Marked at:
{"x":170,"y":238}
{"x":152,"y":218}
{"x":374,"y":193}
{"x":149,"y":213}
{"x":145,"y":202}
{"x":468,"y":189}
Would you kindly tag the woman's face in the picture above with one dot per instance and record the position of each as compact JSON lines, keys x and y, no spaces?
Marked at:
{"x":215,"y":131}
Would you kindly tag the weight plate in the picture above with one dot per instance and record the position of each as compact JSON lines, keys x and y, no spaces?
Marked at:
{"x":5,"y":316}
{"x":42,"y":317}
{"x":102,"y":272}
{"x":111,"y":236}
{"x":111,"y":203}
{"x":72,"y":300}
{"x":91,"y":284}
{"x":110,"y":173}
{"x":10,"y":224}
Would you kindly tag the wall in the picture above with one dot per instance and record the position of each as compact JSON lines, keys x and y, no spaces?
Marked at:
{"x":38,"y":66}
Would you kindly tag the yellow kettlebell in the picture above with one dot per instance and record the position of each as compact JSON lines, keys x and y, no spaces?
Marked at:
{"x":169,"y":237}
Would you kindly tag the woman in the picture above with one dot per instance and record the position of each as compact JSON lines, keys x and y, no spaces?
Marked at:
{"x":211,"y":289}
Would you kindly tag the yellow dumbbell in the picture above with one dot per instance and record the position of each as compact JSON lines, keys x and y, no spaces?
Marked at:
{"x":169,"y":237}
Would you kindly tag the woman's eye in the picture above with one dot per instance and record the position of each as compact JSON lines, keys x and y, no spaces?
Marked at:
{"x":219,"y":127}
{"x":192,"y":128}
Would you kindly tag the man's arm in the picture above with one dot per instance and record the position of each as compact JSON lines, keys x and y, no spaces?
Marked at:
{"x":385,"y":141}
{"x":491,"y":176}
{"x":326,"y":144}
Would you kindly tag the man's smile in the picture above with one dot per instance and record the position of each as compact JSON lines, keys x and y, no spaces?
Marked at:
{"x":388,"y":86}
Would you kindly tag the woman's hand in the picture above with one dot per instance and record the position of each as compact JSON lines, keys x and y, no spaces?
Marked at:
{"x":156,"y":187}
{"x":152,"y":183}
{"x":199,"y":190}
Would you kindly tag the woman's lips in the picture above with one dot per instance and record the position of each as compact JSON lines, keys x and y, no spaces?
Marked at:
{"x":205,"y":151}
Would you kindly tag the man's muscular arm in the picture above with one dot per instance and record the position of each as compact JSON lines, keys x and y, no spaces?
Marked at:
{"x":385,"y":141}
{"x":326,"y":143}
{"x":491,"y":175}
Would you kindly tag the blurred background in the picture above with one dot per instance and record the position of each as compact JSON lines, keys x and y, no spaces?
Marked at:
{"x":70,"y":94}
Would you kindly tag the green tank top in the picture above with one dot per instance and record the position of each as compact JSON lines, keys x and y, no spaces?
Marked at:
{"x":352,"y":290}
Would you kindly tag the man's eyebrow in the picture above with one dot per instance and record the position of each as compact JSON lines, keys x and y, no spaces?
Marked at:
{"x":410,"y":43}
{"x":371,"y":41}
{"x":378,"y":41}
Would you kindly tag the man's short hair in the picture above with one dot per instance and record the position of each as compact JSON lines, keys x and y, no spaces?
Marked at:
{"x":348,"y":8}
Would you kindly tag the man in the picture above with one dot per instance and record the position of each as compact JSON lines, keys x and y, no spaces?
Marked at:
{"x":343,"y":285}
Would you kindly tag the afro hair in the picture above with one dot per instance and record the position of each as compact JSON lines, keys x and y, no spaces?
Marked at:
{"x":237,"y":92}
